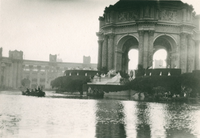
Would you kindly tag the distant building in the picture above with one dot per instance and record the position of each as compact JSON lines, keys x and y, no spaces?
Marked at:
{"x":86,"y":59}
{"x":14,"y":69}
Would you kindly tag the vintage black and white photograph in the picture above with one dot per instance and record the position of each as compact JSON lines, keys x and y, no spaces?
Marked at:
{"x":99,"y":69}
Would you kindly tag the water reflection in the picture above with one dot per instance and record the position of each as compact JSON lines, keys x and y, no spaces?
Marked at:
{"x":158,"y":119}
{"x":110,"y":119}
{"x":181,"y":119}
{"x":143,"y":126}
{"x":23,"y":116}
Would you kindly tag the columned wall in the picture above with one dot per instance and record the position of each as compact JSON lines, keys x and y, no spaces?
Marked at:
{"x":11,"y":73}
{"x":106,"y":52}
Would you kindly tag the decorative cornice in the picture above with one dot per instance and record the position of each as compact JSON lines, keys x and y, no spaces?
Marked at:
{"x":101,"y":18}
{"x":100,"y":41}
{"x":99,"y":34}
{"x":191,"y":26}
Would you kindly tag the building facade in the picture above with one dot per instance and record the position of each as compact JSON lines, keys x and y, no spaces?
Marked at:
{"x":149,"y":25}
{"x":14,"y":69}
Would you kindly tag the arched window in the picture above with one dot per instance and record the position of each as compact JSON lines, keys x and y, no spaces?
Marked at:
{"x":159,"y":59}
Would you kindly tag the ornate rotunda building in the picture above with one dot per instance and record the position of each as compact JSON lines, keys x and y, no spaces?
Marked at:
{"x":149,"y":25}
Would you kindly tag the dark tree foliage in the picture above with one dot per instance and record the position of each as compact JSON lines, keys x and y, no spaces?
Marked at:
{"x":70,"y":83}
{"x":104,"y":70}
{"x":191,"y":80}
{"x":147,"y":83}
{"x":170,"y":83}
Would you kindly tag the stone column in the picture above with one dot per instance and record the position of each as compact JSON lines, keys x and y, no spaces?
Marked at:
{"x":100,"y":42}
{"x":196,"y":55}
{"x":20,"y":73}
{"x":190,"y":56}
{"x":183,"y":53}
{"x":8,"y":75}
{"x":3,"y":74}
{"x":46,"y":76}
{"x":140,"y":49}
{"x":145,"y":49}
{"x":111,"y":52}
{"x":11,"y":75}
{"x":105,"y":52}
{"x":30,"y":74}
{"x":38,"y":75}
{"x":118,"y":60}
{"x":184,"y":15}
{"x":17,"y":75}
{"x":174,"y":58}
{"x":150,"y":49}
{"x":0,"y":71}
{"x":14,"y":74}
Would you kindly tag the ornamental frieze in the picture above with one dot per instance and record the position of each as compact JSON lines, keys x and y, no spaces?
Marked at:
{"x":128,"y":16}
{"x":125,"y":29}
{"x":168,"y":15}
{"x":167,"y":29}
{"x":187,"y":30}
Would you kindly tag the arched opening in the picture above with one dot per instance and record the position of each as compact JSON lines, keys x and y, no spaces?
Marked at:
{"x":133,"y":59}
{"x":164,"y":46}
{"x":160,"y":59}
{"x":127,"y":44}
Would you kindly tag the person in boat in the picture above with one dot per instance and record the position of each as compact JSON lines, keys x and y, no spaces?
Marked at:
{"x":39,"y":90}
{"x":36,"y":90}
{"x":27,"y":91}
{"x":32,"y":91}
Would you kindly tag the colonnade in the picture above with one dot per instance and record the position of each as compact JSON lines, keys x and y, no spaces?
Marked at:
{"x":106,"y":52}
{"x":113,"y":57}
{"x":183,"y":54}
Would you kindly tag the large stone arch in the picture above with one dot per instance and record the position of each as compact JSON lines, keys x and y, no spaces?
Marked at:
{"x":168,"y":43}
{"x":168,"y":24}
{"x":124,"y":45}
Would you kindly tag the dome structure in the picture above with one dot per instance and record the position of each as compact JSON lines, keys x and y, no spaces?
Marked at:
{"x":148,"y":25}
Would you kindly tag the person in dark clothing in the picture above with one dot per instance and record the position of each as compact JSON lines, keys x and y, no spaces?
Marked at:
{"x":27,"y":91}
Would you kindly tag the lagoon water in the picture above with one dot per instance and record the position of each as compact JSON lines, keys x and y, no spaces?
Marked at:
{"x":56,"y":116}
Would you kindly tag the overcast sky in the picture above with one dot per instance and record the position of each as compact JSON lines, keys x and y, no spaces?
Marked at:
{"x":64,"y":27}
